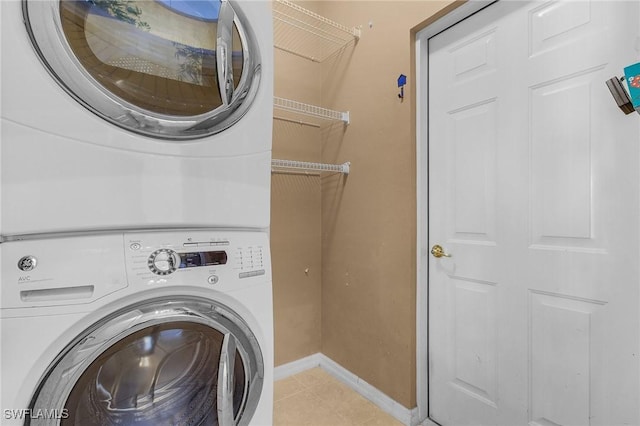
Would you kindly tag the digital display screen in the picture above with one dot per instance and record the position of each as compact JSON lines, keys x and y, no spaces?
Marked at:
{"x":202,"y":258}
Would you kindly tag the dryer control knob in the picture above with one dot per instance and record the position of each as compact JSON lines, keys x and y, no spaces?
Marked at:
{"x":163,"y":262}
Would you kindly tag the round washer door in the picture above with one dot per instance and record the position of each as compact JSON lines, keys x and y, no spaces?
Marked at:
{"x":171,"y":69}
{"x":178,"y":361}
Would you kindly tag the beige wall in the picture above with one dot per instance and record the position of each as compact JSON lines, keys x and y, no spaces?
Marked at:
{"x":296,"y":218}
{"x":366,"y":286}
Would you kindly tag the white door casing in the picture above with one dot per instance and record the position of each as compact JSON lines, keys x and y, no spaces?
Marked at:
{"x":533,"y":190}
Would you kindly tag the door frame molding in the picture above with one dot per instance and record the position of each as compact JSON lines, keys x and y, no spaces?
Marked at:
{"x":422,"y":37}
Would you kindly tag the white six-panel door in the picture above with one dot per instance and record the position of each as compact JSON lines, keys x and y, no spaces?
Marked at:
{"x":534,"y":193}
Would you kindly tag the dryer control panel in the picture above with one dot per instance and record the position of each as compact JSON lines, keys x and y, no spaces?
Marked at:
{"x":212,"y":258}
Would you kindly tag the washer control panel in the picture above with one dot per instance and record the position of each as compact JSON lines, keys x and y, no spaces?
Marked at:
{"x":211,"y":259}
{"x":163,"y":261}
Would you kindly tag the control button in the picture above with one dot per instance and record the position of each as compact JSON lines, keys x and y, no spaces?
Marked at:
{"x":213,"y":279}
{"x":190,"y":244}
{"x":135,"y":246}
{"x":163,"y":262}
{"x":27,"y":263}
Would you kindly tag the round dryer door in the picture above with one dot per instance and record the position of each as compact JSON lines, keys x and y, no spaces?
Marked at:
{"x":173,"y":69}
{"x":184,"y":361}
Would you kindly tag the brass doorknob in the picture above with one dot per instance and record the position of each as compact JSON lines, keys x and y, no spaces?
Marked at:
{"x":438,"y":252}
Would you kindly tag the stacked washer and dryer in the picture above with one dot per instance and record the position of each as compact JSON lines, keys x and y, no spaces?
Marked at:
{"x":135,"y":190}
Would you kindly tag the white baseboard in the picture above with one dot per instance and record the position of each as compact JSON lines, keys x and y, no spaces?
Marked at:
{"x":298,"y":366}
{"x":387,"y":404}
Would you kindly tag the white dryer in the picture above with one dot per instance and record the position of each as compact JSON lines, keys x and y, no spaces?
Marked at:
{"x":166,"y":328}
{"x":133,"y":114}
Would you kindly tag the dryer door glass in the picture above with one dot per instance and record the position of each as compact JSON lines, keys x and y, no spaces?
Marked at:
{"x":166,"y":68}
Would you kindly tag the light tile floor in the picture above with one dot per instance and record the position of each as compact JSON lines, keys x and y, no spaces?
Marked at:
{"x":315,"y":398}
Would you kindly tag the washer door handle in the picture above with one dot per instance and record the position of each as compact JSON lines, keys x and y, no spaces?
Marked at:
{"x":225,"y":380}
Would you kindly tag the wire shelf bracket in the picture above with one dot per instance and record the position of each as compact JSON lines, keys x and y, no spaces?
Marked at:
{"x":305,"y":33}
{"x":310,"y":110}
{"x":304,"y":166}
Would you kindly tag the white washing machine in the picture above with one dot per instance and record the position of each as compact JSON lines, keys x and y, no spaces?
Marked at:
{"x":165,"y":328}
{"x":110,"y":108}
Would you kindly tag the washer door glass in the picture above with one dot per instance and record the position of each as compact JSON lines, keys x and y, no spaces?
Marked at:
{"x":176,"y":69}
{"x":160,"y":375}
{"x":161,"y":362}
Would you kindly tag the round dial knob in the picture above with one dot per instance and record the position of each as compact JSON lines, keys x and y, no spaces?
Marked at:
{"x":163,"y":261}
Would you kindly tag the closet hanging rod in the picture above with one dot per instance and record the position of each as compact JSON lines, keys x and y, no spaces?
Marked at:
{"x":310,"y":110}
{"x":276,"y":165}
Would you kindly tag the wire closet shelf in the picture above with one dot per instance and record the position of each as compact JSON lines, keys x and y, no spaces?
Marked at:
{"x":313,"y":111}
{"x":307,"y":34}
{"x":305,"y":166}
